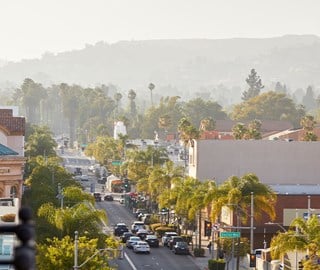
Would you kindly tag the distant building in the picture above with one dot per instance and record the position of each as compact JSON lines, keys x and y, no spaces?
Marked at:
{"x":290,"y":168}
{"x":12,"y":130}
{"x":274,"y":162}
{"x":119,"y":128}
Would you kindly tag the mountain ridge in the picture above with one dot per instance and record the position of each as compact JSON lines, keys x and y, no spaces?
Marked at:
{"x":188,"y":64}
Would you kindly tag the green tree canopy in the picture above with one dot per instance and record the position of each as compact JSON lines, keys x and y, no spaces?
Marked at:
{"x":268,"y":106}
{"x":59,"y":254}
{"x":255,"y":86}
{"x":40,"y":142}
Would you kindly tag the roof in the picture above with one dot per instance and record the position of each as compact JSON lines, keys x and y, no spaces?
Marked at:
{"x":6,"y":151}
{"x":266,"y":125}
{"x":296,"y":189}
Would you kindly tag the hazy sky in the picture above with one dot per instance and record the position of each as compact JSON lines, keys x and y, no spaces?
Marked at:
{"x":30,"y":28}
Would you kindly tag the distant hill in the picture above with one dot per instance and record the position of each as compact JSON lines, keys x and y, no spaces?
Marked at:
{"x":184,"y":64}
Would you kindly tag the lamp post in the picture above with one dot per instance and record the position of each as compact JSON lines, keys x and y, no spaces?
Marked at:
{"x":277,"y":224}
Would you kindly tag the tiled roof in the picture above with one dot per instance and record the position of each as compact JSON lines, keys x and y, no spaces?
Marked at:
{"x":6,"y":151}
{"x":10,"y":124}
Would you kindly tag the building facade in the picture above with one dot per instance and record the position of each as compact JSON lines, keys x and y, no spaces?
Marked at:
{"x":12,"y":160}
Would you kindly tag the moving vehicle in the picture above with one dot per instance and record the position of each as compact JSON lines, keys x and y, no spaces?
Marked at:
{"x":137,"y":225}
{"x":166,"y":236}
{"x":181,"y":248}
{"x":125,"y":236}
{"x":141,"y":247}
{"x":173,"y":240}
{"x":142,"y":233}
{"x":152,"y":240}
{"x":120,"y":228}
{"x":108,"y":197}
{"x":132,"y":241}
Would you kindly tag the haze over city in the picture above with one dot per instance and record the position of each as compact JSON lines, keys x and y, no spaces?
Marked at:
{"x":31,"y":28}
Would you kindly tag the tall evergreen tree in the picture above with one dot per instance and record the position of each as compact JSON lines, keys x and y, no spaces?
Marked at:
{"x":255,"y":86}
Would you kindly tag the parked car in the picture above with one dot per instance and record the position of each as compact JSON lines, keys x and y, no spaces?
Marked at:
{"x":181,"y":248}
{"x":173,"y":240}
{"x":136,"y":225}
{"x":125,"y":236}
{"x":108,"y":197}
{"x":120,"y":228}
{"x":166,"y":236}
{"x":141,"y":246}
{"x":132,"y":241}
{"x":152,"y":240}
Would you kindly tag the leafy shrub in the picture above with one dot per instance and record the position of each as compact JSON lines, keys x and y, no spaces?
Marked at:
{"x":198,"y":252}
{"x":216,"y":264}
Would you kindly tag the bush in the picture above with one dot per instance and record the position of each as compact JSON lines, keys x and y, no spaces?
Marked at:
{"x":216,"y":264}
{"x":198,"y":252}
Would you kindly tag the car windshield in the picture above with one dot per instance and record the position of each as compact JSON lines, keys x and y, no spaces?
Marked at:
{"x":134,"y":238}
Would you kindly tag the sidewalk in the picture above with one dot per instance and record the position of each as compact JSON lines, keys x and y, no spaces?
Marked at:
{"x":202,"y":262}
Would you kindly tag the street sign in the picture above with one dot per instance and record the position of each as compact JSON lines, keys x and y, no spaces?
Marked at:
{"x":116,"y":162}
{"x":229,"y":234}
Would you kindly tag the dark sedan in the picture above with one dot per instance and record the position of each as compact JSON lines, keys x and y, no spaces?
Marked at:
{"x":152,"y":240}
{"x":125,"y":236}
{"x":181,"y":248}
{"x":108,"y":198}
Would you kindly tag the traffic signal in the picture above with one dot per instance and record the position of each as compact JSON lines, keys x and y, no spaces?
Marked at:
{"x":252,"y":260}
{"x":207,"y":228}
{"x":300,"y":267}
{"x":126,"y":185}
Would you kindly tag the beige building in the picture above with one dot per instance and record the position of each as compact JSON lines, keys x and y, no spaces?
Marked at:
{"x":274,"y":162}
{"x":12,"y":129}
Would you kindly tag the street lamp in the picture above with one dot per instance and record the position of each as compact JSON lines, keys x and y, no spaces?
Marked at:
{"x":277,"y":224}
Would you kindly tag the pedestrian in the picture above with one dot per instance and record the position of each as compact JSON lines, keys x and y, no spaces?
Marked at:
{"x":209,"y":247}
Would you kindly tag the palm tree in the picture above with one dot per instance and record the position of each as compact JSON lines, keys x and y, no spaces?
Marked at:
{"x":165,"y":122}
{"x":32,"y":94}
{"x":118,"y":97}
{"x":308,"y":123}
{"x":82,"y":217}
{"x":131,"y":96}
{"x":236,"y":192}
{"x":151,"y":86}
{"x":70,"y":106}
{"x":302,"y":235}
{"x":207,"y":124}
{"x":187,"y":134}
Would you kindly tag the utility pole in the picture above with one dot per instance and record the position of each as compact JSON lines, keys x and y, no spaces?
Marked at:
{"x":75,"y":267}
{"x":251,"y":224}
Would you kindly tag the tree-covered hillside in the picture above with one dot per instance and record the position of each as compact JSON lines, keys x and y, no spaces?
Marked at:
{"x":178,"y":67}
